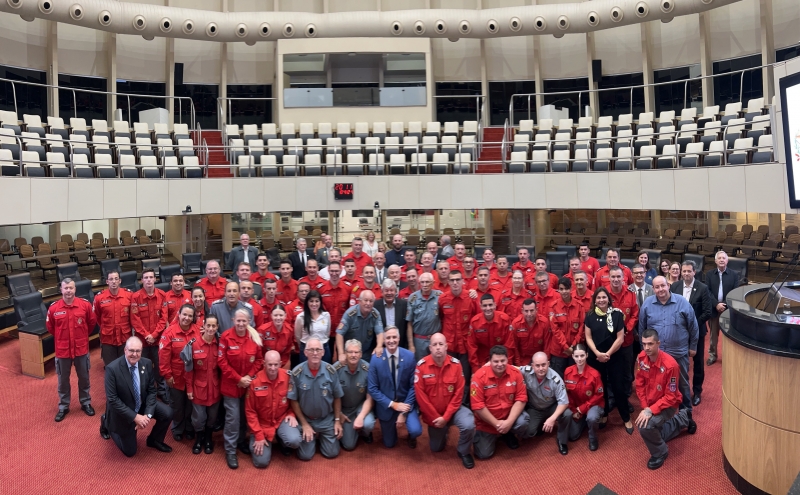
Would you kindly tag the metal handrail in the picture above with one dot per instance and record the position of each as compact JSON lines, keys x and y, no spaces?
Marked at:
{"x":75,"y":99}
{"x":599,"y":90}
{"x":220,"y":99}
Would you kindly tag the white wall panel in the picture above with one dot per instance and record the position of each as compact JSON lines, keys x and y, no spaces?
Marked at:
{"x":23,"y":44}
{"x":735,"y":30}
{"x":593,"y":191}
{"x":405,"y":192}
{"x":251,"y":64}
{"x":84,"y":199}
{"x":197,"y":4}
{"x":216,"y":195}
{"x":562,"y":188}
{"x":375,"y":188}
{"x":247,"y":195}
{"x":530,"y":191}
{"x":200,"y":61}
{"x":676,"y":43}
{"x":761,"y":190}
{"x":56,"y":192}
{"x":496,"y":189}
{"x":250,"y":5}
{"x":152,"y":198}
{"x":786,"y":17}
{"x":351,"y":5}
{"x":15,"y":201}
{"x":119,"y":199}
{"x":691,"y":189}
{"x":437,"y":188}
{"x":620,"y":49}
{"x":454,"y":4}
{"x":280,"y":195}
{"x":459,"y":61}
{"x":183,"y":193}
{"x":624,"y":191}
{"x":658,"y":190}
{"x":727,"y":191}
{"x":141,"y":60}
{"x":563,"y":57}
{"x":82,"y":51}
{"x":387,"y":5}
{"x":509,"y":59}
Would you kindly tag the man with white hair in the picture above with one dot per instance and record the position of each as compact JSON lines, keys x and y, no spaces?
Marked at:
{"x":357,"y":418}
{"x":423,"y":316}
{"x":363,"y":323}
{"x":299,"y":259}
{"x":243,"y":253}
{"x":447,"y":249}
{"x":393,"y":309}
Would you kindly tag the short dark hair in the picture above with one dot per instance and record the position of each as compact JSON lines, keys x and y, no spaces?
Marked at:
{"x":502,"y":257}
{"x":483,"y":268}
{"x":583,"y":244}
{"x":262,"y":255}
{"x":498,"y":350}
{"x":350,"y":260}
{"x":528,"y":301}
{"x":176,"y":274}
{"x":487,"y":297}
{"x":612,"y":249}
{"x":540,"y":257}
{"x":650,"y":333}
{"x":331,"y":263}
{"x":303,"y":283}
{"x":286,"y":262}
{"x":565,"y":282}
{"x":456,"y":272}
{"x":112,"y":271}
{"x":270,"y":281}
{"x":148,"y":270}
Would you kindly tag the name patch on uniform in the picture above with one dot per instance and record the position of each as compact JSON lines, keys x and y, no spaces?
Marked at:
{"x":430,"y":375}
{"x":59,"y":313}
{"x":487,"y":387}
{"x":260,"y":388}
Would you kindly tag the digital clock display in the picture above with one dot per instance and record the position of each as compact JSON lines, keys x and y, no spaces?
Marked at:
{"x":343,"y":191}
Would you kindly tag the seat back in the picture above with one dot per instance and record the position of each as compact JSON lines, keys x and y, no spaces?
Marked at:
{"x":31,"y":313}
{"x":68,"y":270}
{"x":129,"y":281}
{"x":20,"y":284}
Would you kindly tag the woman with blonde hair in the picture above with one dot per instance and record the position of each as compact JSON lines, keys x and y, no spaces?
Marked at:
{"x":370,"y":244}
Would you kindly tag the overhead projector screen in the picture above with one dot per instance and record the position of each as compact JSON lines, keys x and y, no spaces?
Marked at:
{"x":790,"y":104}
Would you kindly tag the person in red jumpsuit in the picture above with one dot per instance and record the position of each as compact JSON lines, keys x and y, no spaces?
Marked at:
{"x":70,"y":320}
{"x":203,"y":385}
{"x":589,"y":264}
{"x":581,"y":291}
{"x":488,"y":259}
{"x":575,"y":267}
{"x":277,"y":335}
{"x":442,"y":280}
{"x":500,"y":280}
{"x":213,"y":284}
{"x":149,"y":320}
{"x":585,"y":392}
{"x":455,"y":312}
{"x":487,"y":329}
{"x":541,"y":267}
{"x":200,"y":305}
{"x":456,"y":261}
{"x":524,"y":264}
{"x":177,"y":336}
{"x":358,"y":255}
{"x":269,"y":412}
{"x":295,"y":308}
{"x":240,"y":358}
{"x":480,"y":287}
{"x":176,"y":297}
{"x":367,"y":282}
{"x":566,"y":319}
{"x":602,"y":277}
{"x":545,"y":295}
{"x":531,"y":332}
{"x":312,"y":277}
{"x":246,"y":295}
{"x":262,"y":272}
{"x":410,"y":257}
{"x":511,"y":299}
{"x":112,"y":308}
{"x":657,"y":389}
{"x":470,"y":272}
{"x":269,"y":301}
{"x":336,"y":298}
{"x":439,"y":391}
{"x":412,"y":281}
{"x":498,"y":396}
{"x":286,"y":286}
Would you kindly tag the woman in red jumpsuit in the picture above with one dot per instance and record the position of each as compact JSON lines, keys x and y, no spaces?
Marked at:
{"x":173,"y":340}
{"x":585,"y":392}
{"x":200,"y":305}
{"x":277,"y":336}
{"x":203,"y":385}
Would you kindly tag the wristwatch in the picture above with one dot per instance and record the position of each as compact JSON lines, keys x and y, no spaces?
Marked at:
{"x":336,"y":419}
{"x":149,"y":416}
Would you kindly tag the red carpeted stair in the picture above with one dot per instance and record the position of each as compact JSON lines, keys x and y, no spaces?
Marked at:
{"x":216,"y":156}
{"x":490,"y":159}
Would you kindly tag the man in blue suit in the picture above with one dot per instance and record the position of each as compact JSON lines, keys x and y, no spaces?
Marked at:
{"x":391,"y":385}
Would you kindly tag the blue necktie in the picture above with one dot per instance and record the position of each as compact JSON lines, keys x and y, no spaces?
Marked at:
{"x":394,"y":375}
{"x":136,"y":392}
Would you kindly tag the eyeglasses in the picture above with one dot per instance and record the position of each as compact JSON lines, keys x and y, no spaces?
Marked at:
{"x":133,"y":351}
{"x":638,"y":273}
{"x":314,"y":351}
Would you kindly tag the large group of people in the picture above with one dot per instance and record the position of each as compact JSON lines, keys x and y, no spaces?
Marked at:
{"x":313,"y":355}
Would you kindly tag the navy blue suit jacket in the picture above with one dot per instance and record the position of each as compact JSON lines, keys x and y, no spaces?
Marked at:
{"x":380,"y":385}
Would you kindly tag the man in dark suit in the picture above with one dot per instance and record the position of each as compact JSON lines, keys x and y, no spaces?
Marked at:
{"x":696,"y":292}
{"x":720,"y":281}
{"x":131,"y":395}
{"x":244,"y":252}
{"x":321,"y":254}
{"x":391,"y":384}
{"x":433,"y":248}
{"x":299,"y":258}
{"x":396,"y":309}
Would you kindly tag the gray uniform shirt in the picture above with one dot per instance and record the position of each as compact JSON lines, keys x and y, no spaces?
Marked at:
{"x":315,"y":393}
{"x":423,"y":313}
{"x":364,"y":329}
{"x":354,"y":386}
{"x":224,"y":313}
{"x":545,"y":394}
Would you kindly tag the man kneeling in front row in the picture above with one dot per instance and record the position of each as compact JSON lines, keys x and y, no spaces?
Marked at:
{"x":657,"y":388}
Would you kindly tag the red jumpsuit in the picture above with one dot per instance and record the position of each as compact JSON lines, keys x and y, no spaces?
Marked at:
{"x":567,"y":323}
{"x":286,"y":291}
{"x":625,"y":301}
{"x":268,"y":307}
{"x":266,"y":405}
{"x":173,"y":340}
{"x":406,"y":292}
{"x":148,"y":315}
{"x":483,"y":335}
{"x":455,"y":264}
{"x":200,"y":316}
{"x":214,"y":292}
{"x":293,"y":310}
{"x":439,"y":390}
{"x":361,"y":261}
{"x":511,"y":304}
{"x":584,"y":390}
{"x":601,"y":279}
{"x":258,"y":312}
{"x":278,"y":340}
{"x":591,"y":266}
{"x":657,"y":382}
{"x":441,"y":286}
{"x":70,"y":326}
{"x":498,"y":283}
{"x":404,"y":268}
{"x":589,"y":281}
{"x":256,"y":277}
{"x":319,"y":284}
{"x":361,"y":287}
{"x":175,"y":301}
{"x":114,"y":316}
{"x":497,"y":394}
{"x":336,"y":300}
{"x":481,"y":293}
{"x":238,"y":356}
{"x":543,"y":302}
{"x":204,"y":380}
{"x":528,"y":340}
{"x":586,"y":300}
{"x":455,"y":312}
{"x":528,"y":269}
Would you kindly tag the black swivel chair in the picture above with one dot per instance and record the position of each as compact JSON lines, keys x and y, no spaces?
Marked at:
{"x":739,"y":265}
{"x":68,"y":270}
{"x":557,"y":262}
{"x":20,"y":284}
{"x":130,"y":280}
{"x":192,"y":263}
{"x":110,"y":265}
{"x":571,"y":251}
{"x":154,"y":264}
{"x":167,"y":271}
{"x":83,"y":289}
{"x":31,"y":313}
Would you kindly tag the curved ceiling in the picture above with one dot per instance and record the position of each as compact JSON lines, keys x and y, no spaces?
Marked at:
{"x":150,"y":21}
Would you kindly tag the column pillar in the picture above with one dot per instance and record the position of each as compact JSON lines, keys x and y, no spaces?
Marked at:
{"x":535,"y":51}
{"x":169,"y":71}
{"x":111,"y":53}
{"x":222,"y":119}
{"x":113,"y":228}
{"x":541,"y":229}
{"x":52,"y":67}
{"x":592,"y":98}
{"x":647,"y":68}
{"x":775,"y":223}
{"x":655,"y":219}
{"x":706,"y":66}
{"x":767,"y":49}
{"x":487,"y":223}
{"x":227,"y":228}
{"x":602,"y":221}
{"x":713,"y":223}
{"x":54,"y":231}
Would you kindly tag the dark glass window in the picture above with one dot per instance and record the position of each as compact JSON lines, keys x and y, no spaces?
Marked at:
{"x":140,"y":103}
{"x":82,"y":105}
{"x":457,"y":109}
{"x":787,"y":53}
{"x":204,"y":97}
{"x":31,"y":100}
{"x":619,"y":101}
{"x":737,"y":87}
{"x":679,"y":95}
{"x":568,"y":101}
{"x":249,"y":111}
{"x":500,"y":98}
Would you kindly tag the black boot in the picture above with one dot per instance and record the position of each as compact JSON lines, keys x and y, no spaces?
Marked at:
{"x":209,"y":442}
{"x":198,"y":443}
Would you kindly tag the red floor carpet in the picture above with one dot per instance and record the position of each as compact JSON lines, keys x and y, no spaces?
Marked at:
{"x":38,"y":455}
